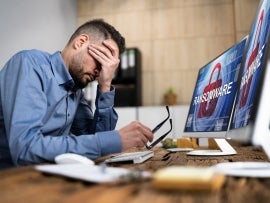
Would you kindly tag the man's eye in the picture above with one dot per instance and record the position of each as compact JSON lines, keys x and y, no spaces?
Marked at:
{"x":99,"y":66}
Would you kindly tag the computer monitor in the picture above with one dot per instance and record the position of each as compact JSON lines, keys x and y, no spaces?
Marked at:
{"x":213,"y":97}
{"x":251,"y":114}
{"x":255,"y":127}
{"x":249,"y":118}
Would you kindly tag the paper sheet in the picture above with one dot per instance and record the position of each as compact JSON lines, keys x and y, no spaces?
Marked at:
{"x":90,"y":173}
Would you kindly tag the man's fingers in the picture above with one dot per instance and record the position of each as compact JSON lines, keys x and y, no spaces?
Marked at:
{"x":98,"y":54}
{"x":147,"y":133}
{"x":112,"y":46}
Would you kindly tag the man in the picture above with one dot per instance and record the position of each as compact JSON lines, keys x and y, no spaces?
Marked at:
{"x":43,"y":112}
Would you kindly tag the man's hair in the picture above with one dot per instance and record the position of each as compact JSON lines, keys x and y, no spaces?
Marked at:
{"x":98,"y":29}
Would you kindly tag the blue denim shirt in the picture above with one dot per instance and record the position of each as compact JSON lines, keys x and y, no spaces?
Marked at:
{"x":41,"y":117}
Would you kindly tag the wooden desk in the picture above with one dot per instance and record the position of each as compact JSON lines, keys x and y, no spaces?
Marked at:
{"x":28,"y":185}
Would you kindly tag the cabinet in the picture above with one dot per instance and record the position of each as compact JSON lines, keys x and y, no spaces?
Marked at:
{"x":127,"y":80}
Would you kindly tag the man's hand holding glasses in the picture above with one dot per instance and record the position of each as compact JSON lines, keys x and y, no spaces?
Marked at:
{"x":150,"y":146}
{"x":138,"y":135}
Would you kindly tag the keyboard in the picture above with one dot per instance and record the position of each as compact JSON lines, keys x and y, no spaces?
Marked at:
{"x":135,"y":157}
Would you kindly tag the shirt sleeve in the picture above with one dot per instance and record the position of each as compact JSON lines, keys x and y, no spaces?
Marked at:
{"x":25,"y":107}
{"x":102,"y":123}
{"x":103,"y":119}
{"x":105,"y":115}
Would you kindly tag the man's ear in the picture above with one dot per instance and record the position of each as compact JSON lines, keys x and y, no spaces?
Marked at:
{"x":80,"y":41}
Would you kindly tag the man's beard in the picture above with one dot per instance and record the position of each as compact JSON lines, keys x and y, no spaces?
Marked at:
{"x":76,"y":71}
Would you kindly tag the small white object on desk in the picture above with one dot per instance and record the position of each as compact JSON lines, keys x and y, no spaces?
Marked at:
{"x":244,"y":169}
{"x":71,"y":158}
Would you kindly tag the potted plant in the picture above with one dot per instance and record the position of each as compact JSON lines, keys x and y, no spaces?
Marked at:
{"x":170,"y":97}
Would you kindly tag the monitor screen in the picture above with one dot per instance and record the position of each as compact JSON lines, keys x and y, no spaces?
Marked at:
{"x":214,"y":93}
{"x":252,"y":68}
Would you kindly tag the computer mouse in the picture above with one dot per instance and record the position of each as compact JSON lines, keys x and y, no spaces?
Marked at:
{"x":71,"y":158}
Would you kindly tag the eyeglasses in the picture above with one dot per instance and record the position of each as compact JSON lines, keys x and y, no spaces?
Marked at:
{"x":157,"y":128}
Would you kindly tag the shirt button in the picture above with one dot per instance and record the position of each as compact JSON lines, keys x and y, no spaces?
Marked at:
{"x":101,"y":98}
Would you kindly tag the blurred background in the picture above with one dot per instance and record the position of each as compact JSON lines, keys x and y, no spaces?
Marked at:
{"x":174,"y":37}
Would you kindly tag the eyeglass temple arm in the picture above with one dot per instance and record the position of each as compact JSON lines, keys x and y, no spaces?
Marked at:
{"x":159,"y":125}
{"x":160,"y":138}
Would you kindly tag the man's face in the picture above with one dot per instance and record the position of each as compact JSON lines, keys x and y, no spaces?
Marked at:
{"x":83,"y":68}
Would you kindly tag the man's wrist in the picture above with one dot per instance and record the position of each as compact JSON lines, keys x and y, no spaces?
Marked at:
{"x":105,"y":87}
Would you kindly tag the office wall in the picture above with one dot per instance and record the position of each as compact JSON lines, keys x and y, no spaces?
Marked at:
{"x":28,"y":24}
{"x":152,"y":115}
{"x":176,"y":37}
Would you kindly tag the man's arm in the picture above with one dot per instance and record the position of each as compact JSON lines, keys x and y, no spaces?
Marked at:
{"x":32,"y":132}
{"x":104,"y":118}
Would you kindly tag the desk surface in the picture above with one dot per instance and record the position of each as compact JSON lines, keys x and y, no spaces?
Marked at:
{"x":28,"y":185}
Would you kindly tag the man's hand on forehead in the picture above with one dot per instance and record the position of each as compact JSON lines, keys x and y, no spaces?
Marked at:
{"x":112,"y":46}
{"x":107,"y":54}
{"x":107,"y":47}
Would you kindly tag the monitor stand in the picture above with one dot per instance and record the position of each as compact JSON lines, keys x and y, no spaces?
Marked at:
{"x":224,"y":149}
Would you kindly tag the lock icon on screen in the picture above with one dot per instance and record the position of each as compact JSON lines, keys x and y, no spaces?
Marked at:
{"x":208,"y":107}
{"x":252,"y":58}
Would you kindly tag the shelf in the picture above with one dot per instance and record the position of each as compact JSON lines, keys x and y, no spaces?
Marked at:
{"x":127,"y":81}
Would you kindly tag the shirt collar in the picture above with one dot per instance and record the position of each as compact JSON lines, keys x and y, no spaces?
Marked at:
{"x":60,"y":71}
